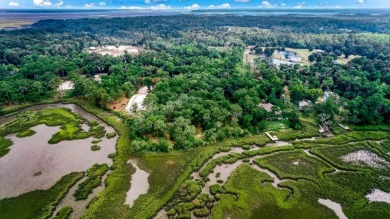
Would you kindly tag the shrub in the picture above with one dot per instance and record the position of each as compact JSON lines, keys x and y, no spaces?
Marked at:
{"x":204,"y":212}
{"x":216,"y":188}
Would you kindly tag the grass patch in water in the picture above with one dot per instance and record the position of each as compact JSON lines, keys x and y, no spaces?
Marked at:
{"x":95,"y":148}
{"x":94,"y":179}
{"x":25,"y":133}
{"x":4,"y":146}
{"x":40,"y":203}
{"x":73,"y":131}
{"x":110,"y":135}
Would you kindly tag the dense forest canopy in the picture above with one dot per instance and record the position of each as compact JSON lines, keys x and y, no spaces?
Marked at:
{"x":193,"y":66}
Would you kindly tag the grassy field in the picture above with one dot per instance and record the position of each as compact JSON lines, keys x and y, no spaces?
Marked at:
{"x":14,"y":23}
{"x":276,"y":125}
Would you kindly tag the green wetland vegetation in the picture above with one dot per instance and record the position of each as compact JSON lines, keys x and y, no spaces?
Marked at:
{"x":201,"y":133}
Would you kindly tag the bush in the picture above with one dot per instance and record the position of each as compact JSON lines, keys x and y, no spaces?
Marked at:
{"x":189,"y":190}
{"x":216,"y":188}
{"x":204,"y":212}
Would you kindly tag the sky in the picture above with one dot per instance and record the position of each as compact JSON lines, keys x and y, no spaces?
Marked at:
{"x":190,"y":4}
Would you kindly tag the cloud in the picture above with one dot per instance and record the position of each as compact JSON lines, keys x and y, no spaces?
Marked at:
{"x":361,"y":1}
{"x":192,"y":7}
{"x":242,"y":0}
{"x":265,"y":4}
{"x":13,"y":4}
{"x":157,"y":7}
{"x":42,"y":3}
{"x":225,"y":5}
{"x":90,"y":5}
{"x":47,"y":3}
{"x":132,"y":8}
{"x":147,"y":1}
{"x":283,"y":4}
{"x":300,"y":5}
{"x":160,"y":7}
{"x":101,"y":3}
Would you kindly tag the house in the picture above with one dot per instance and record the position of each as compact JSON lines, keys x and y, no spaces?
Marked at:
{"x":328,"y":94}
{"x":304,"y":104}
{"x":270,"y":108}
{"x":92,"y":48}
{"x":266,"y":106}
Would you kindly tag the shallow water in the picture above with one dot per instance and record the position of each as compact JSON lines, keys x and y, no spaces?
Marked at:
{"x":278,"y":144}
{"x":33,"y":163}
{"x":139,"y":184}
{"x":162,"y":214}
{"x":225,"y":171}
{"x":276,"y":179}
{"x":79,"y":206}
{"x":336,"y":207}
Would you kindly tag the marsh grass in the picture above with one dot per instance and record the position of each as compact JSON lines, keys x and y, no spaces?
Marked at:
{"x":94,"y":179}
{"x":25,"y":133}
{"x":255,"y":198}
{"x":95,"y":148}
{"x":4,"y":146}
{"x":40,"y":203}
{"x":64,"y":213}
{"x":295,"y":165}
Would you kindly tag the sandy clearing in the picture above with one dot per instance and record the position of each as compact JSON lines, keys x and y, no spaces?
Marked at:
{"x":137,"y":99}
{"x":66,"y":85}
{"x":366,"y":158}
{"x":378,"y":196}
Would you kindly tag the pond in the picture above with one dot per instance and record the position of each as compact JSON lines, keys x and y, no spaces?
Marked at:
{"x":139,"y":183}
{"x":34,"y":164}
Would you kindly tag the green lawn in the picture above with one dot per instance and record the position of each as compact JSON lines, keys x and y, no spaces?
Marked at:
{"x":276,"y":125}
